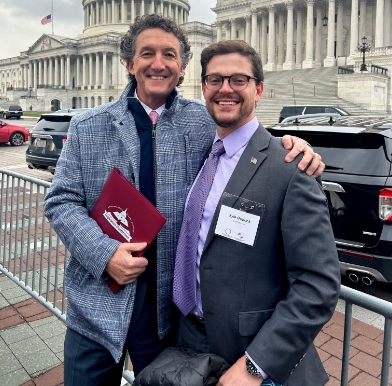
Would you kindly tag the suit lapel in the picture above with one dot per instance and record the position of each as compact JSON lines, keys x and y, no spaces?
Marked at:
{"x":247,"y":166}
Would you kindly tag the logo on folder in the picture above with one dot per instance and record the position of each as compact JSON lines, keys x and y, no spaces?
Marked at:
{"x":120,"y":221}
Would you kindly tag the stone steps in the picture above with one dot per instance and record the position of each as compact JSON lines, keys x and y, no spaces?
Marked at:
{"x":316,"y":86}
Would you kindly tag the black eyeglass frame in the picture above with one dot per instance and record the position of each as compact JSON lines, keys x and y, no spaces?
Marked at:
{"x":248,"y":77}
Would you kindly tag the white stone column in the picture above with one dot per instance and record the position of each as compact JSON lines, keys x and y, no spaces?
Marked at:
{"x":133,"y":10}
{"x":105,"y":6}
{"x":264,"y":37}
{"x":96,"y":12}
{"x":330,"y":60}
{"x":85,"y":16}
{"x":339,"y":29}
{"x":379,"y":40}
{"x":233,"y":29}
{"x":281,"y":40}
{"x":387,"y":23}
{"x":162,"y":7}
{"x":84,"y":71}
{"x":309,"y":62}
{"x":142,"y":8}
{"x":35,"y":80}
{"x":228,"y":31}
{"x":46,"y":71}
{"x":40,"y":82}
{"x":25,"y":83}
{"x":77,"y":80}
{"x":298,"y":48}
{"x":68,"y":81}
{"x":104,"y":71}
{"x":115,"y":68}
{"x":362,"y":19}
{"x":30,"y":77}
{"x":21,"y":69}
{"x":319,"y":16}
{"x":56,"y":71}
{"x":271,"y":65}
{"x":123,"y":18}
{"x":97,"y":70}
{"x":170,"y":10}
{"x":90,"y":71}
{"x":289,"y":63}
{"x":218,"y":31}
{"x":50,"y":80}
{"x":176,"y":14}
{"x":113,"y":15}
{"x":62,"y":71}
{"x":254,"y":29}
{"x":248,"y":30}
{"x":353,"y":30}
{"x":152,"y":7}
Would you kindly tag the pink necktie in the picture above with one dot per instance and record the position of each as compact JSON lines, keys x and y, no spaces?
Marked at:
{"x":153,"y":117}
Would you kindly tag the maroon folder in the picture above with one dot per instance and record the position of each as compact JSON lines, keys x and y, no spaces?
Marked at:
{"x":124,"y":214}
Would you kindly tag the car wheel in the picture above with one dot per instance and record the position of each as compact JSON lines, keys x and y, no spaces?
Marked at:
{"x":17,"y":139}
{"x":17,"y":117}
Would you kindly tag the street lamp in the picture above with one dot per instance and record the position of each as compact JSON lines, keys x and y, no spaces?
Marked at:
{"x":364,"y":47}
{"x":325,"y":18}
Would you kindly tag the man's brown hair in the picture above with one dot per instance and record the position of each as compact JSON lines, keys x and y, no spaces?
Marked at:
{"x":225,"y":47}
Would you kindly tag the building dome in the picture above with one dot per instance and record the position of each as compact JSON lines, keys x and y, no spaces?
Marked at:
{"x":101,"y":16}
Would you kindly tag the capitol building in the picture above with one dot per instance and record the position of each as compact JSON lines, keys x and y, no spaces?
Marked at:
{"x":85,"y":71}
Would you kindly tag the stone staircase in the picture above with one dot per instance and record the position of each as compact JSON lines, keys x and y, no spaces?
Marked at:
{"x":316,"y":86}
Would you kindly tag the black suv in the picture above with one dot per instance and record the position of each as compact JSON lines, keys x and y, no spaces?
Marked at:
{"x":289,"y":111}
{"x":47,"y":139}
{"x":357,"y":181}
{"x":11,"y":111}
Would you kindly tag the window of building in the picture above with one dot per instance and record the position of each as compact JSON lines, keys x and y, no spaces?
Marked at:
{"x":237,"y":34}
{"x":119,"y":12}
{"x":315,"y":22}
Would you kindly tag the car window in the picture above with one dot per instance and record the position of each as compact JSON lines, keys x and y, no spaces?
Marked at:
{"x":332,"y":110}
{"x":292,"y":110}
{"x":53,"y":124}
{"x":15,"y":108}
{"x":314,"y":110}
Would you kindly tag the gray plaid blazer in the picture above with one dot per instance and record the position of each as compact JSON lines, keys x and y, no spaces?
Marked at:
{"x":99,"y":140}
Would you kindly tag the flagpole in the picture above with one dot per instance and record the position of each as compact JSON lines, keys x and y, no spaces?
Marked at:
{"x":52,"y":19}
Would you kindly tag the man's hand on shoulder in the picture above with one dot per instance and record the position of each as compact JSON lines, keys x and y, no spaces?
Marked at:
{"x":298,"y":145}
{"x":123,"y":267}
{"x":237,"y":375}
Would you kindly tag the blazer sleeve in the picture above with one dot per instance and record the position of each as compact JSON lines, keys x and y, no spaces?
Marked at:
{"x":314,"y":280}
{"x":65,"y":208}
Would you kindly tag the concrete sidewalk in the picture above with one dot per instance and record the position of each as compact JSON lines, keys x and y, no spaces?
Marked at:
{"x":31,"y":343}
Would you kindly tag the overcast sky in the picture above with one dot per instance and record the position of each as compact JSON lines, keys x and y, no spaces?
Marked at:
{"x":21,"y":21}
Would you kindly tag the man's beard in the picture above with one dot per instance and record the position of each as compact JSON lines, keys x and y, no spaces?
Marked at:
{"x":222,"y":122}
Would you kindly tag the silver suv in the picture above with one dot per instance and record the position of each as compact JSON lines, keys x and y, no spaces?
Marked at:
{"x":289,"y":111}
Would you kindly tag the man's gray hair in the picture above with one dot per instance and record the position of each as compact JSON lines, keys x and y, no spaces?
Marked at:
{"x":128,"y":42}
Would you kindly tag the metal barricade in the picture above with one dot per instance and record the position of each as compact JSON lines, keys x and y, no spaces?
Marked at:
{"x":31,"y":253}
{"x":33,"y":256}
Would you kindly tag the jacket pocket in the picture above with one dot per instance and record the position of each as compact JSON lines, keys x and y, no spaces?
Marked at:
{"x":251,"y":322}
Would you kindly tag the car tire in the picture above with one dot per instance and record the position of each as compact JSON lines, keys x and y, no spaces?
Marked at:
{"x":17,"y":139}
{"x":17,"y":117}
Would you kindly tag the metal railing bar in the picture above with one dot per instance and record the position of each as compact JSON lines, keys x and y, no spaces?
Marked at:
{"x":1,"y":209}
{"x":42,"y":242}
{"x":26,"y":178}
{"x":386,"y":352}
{"x":17,"y":228}
{"x":346,"y":343}
{"x":28,"y":252}
{"x":11,"y":223}
{"x":5,"y":224}
{"x":369,"y":302}
{"x":23,"y":233}
{"x":65,"y":264}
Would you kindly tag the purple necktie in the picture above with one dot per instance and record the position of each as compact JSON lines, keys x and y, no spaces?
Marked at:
{"x":153,"y":117}
{"x":184,"y":286}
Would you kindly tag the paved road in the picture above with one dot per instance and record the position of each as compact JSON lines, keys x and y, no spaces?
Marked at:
{"x":13,"y":158}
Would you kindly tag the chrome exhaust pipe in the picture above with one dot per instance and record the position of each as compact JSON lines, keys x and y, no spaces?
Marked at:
{"x":353,"y":277}
{"x":368,"y":280}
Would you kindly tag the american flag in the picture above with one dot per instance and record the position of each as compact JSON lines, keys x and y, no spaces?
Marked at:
{"x":46,"y":20}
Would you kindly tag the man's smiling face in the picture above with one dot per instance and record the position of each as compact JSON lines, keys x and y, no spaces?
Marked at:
{"x":231,"y":109}
{"x":157,"y":65}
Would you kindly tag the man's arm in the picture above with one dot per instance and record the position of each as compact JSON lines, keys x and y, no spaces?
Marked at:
{"x":65,"y":208}
{"x":298,"y":145}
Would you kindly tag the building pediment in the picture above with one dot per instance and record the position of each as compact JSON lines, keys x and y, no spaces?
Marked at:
{"x":46,"y":42}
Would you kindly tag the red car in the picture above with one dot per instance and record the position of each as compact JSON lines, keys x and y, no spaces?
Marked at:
{"x":15,"y":135}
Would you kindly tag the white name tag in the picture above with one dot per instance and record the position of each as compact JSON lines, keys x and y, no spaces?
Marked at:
{"x":237,"y":225}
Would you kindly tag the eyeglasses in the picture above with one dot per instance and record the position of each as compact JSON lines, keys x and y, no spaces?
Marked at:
{"x":237,"y":82}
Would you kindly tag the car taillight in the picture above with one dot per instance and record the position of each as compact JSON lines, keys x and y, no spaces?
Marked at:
{"x":64,"y":139}
{"x":385,"y":204}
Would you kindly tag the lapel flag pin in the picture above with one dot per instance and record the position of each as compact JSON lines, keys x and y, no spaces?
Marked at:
{"x":253,"y":160}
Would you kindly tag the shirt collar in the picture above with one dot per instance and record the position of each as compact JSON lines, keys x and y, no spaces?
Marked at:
{"x":149,"y":109}
{"x":239,"y":137}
